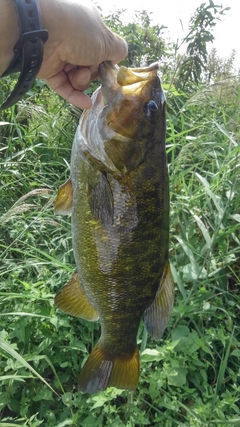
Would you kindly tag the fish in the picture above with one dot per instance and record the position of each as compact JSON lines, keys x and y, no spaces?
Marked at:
{"x":118,"y":198}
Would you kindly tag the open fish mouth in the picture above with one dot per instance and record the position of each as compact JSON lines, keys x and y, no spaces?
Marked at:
{"x":112,"y":74}
{"x":128,"y":81}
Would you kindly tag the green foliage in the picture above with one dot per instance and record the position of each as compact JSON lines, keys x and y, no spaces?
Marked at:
{"x":189,"y":378}
{"x":146,"y":43}
{"x":201,"y":25}
{"x":219,"y":69}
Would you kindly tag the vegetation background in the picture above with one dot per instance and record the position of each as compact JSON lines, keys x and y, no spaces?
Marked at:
{"x":191,"y":377}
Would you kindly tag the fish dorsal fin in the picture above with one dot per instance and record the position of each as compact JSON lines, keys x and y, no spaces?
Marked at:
{"x":63,"y":201}
{"x":157,"y":315}
{"x":72,"y":300}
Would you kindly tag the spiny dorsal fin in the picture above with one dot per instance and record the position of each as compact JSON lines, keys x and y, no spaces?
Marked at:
{"x":72,"y":300}
{"x":157,"y":315}
{"x":63,"y":201}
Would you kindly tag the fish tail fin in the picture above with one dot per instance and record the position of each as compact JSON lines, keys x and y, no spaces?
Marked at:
{"x":104,"y":370}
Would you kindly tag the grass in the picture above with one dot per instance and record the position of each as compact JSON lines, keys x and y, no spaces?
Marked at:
{"x":189,"y":378}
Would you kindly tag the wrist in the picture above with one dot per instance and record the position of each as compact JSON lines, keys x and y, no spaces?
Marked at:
{"x":9,"y":33}
{"x":28,"y":49}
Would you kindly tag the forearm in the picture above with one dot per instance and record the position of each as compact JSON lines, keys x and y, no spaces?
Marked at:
{"x":9,"y":33}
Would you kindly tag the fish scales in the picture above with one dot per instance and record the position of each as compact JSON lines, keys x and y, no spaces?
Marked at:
{"x":119,"y":196}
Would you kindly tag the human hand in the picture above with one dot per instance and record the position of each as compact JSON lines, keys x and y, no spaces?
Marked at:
{"x":78,"y":42}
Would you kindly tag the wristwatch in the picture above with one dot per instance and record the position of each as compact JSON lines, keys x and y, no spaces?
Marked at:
{"x":28,"y":50}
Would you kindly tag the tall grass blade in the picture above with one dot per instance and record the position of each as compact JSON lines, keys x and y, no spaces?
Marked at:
{"x":216,"y":200}
{"x":227,"y":422}
{"x":222,"y":370}
{"x":177,"y":279}
{"x":12,"y":425}
{"x":20,"y":378}
{"x":203,"y":229}
{"x":8,"y":349}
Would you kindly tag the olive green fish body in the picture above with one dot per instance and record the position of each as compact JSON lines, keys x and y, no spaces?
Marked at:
{"x":120,"y":222}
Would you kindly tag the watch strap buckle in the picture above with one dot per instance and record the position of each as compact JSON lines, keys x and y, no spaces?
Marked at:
{"x":30,"y":36}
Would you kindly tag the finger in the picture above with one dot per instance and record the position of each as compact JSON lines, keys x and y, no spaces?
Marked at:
{"x":80,"y":78}
{"x":116,"y":48}
{"x":61,"y":85}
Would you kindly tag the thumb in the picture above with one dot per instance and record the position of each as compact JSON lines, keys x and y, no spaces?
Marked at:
{"x":116,"y":48}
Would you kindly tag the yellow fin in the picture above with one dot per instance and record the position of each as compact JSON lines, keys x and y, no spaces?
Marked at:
{"x":104,"y":370}
{"x":72,"y":300}
{"x":63,"y":201}
{"x":157,"y":315}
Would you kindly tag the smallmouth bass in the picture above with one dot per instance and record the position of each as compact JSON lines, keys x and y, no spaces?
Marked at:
{"x":118,"y":197}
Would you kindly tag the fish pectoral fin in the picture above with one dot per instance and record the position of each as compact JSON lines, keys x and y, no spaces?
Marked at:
{"x":157,"y":315}
{"x":102,"y":201}
{"x":63,"y":201}
{"x":73,"y":300}
{"x":104,"y":370}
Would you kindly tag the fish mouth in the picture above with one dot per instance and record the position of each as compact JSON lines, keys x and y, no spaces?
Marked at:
{"x":111,"y":74}
{"x":129,"y":100}
{"x":108,"y":73}
{"x":125,"y":80}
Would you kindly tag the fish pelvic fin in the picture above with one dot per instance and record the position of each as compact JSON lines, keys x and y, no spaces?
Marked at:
{"x":157,"y":315}
{"x":73,"y":300}
{"x":63,"y":201}
{"x":104,"y":370}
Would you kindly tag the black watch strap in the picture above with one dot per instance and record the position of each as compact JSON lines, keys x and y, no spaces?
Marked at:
{"x":28,"y":50}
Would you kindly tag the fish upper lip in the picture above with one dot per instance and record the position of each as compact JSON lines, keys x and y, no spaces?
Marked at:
{"x":108,"y":77}
{"x":108,"y":73}
{"x":112,"y":75}
{"x":107,"y":64}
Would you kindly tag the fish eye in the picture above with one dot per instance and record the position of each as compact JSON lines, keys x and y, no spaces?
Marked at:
{"x":150,"y":108}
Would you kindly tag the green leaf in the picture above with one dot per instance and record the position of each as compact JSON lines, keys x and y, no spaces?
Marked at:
{"x":190,"y":272}
{"x":151,"y":355}
{"x":177,"y":376}
{"x":12,"y":425}
{"x":236,"y":217}
{"x":64,"y":423}
{"x":179,"y":332}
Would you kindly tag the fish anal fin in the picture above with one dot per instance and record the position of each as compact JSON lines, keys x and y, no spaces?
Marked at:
{"x":73,"y":300}
{"x":63,"y":201}
{"x":157,"y":315}
{"x":104,"y":370}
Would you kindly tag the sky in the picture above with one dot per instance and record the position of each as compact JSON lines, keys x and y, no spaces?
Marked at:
{"x":171,"y":12}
